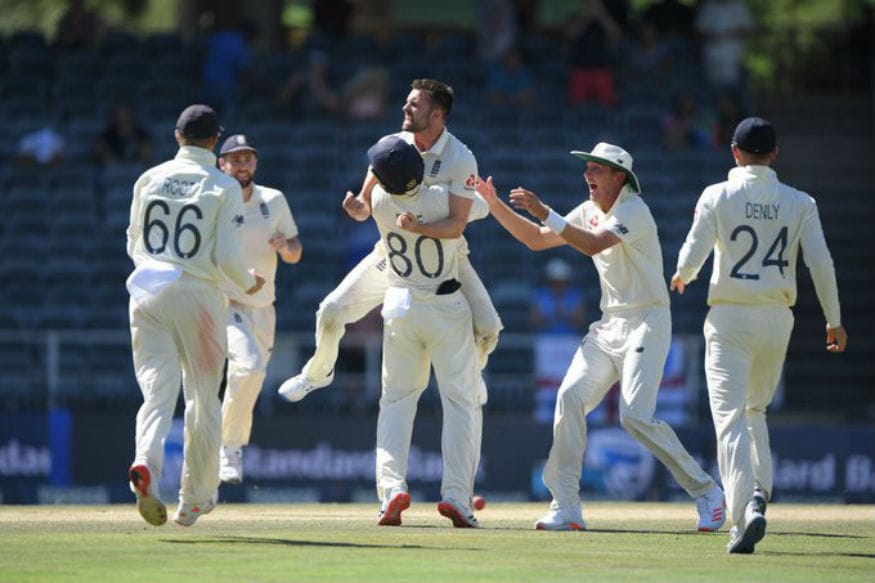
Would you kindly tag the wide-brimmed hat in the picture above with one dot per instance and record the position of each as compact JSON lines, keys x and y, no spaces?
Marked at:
{"x":613,"y":156}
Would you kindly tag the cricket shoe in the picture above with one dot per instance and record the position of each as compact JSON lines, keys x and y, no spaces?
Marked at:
{"x":231,"y":465}
{"x":712,"y":510}
{"x":743,"y":537}
{"x":462,"y":516}
{"x":759,"y":498}
{"x":187,"y":514}
{"x":556,"y":519}
{"x":150,"y":506}
{"x":395,"y":503}
{"x":299,"y":386}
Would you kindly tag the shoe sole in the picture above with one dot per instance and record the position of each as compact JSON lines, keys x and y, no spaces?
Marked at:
{"x":448,"y":510}
{"x":398,"y":504}
{"x":151,"y":509}
{"x":565,"y":527}
{"x":295,"y":396}
{"x":232,"y":480}
{"x":753,"y":534}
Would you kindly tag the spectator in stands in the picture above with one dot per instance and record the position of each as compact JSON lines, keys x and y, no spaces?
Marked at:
{"x":124,"y":139}
{"x":673,"y":21}
{"x":685,"y":126}
{"x":78,"y":28}
{"x":511,"y":82}
{"x":594,"y":35}
{"x":723,"y":26}
{"x":496,"y":30}
{"x":366,"y":94}
{"x":308,"y":90}
{"x":558,"y":307}
{"x":646,"y":56}
{"x":227,"y":63}
{"x":41,"y":147}
{"x":729,"y":114}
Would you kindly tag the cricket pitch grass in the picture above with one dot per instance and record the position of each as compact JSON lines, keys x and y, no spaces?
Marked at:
{"x":340,"y":542}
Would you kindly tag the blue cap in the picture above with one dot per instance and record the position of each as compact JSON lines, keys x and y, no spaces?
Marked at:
{"x":754,"y":135}
{"x":396,"y":164}
{"x":236,"y":143}
{"x":198,"y":121}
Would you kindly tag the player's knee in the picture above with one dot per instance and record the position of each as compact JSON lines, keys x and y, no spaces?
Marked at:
{"x":246,"y":367}
{"x":634,"y":425}
{"x":486,"y":343}
{"x":328,"y":316}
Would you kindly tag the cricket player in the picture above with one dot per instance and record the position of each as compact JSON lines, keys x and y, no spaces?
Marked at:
{"x":629,"y":343}
{"x":756,"y":225}
{"x":185,"y":238}
{"x":447,"y":161}
{"x":427,"y":321}
{"x":269,"y":230}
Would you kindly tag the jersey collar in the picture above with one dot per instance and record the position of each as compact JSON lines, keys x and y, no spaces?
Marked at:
{"x":752,"y":174}
{"x":196,"y":154}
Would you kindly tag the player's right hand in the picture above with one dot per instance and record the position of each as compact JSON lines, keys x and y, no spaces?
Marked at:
{"x":355,"y":207}
{"x":677,"y":284}
{"x":259,"y":283}
{"x":836,"y":338}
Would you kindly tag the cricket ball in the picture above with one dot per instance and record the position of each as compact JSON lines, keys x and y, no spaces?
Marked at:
{"x":478,"y":502}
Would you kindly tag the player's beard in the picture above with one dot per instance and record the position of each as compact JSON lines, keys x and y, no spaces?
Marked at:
{"x":244,"y":182}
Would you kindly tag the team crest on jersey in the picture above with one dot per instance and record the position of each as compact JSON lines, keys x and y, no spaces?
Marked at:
{"x":622,"y":229}
{"x":435,"y":168}
{"x":594,"y":221}
{"x":264,"y":212}
{"x":472,"y":180}
{"x":238,"y":220}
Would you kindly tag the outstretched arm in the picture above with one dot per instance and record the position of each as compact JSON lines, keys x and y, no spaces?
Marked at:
{"x":533,"y":236}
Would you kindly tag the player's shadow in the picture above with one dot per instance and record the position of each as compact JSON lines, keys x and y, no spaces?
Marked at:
{"x":308,"y":543}
{"x":816,"y":553}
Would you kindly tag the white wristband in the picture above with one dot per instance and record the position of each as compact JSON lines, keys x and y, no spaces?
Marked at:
{"x":555,"y":222}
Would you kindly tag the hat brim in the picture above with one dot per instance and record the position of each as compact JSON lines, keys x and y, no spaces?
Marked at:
{"x":239,"y":149}
{"x":633,"y":180}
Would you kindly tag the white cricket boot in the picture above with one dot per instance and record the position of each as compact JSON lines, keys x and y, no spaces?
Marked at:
{"x":461,"y":515}
{"x":744,"y":536}
{"x":557,"y":519}
{"x":712,"y":510}
{"x":151,"y":507}
{"x":187,"y":514}
{"x":395,"y":503}
{"x":299,"y":386}
{"x":231,"y":465}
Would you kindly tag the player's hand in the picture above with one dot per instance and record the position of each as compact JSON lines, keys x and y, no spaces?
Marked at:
{"x":355,"y":207}
{"x":525,"y":199}
{"x":279,"y":242}
{"x":406,"y":221}
{"x":836,"y":338}
{"x":486,"y":189}
{"x":259,"y":283}
{"x":677,"y":284}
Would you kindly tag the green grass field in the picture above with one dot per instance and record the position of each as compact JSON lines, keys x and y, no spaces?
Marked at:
{"x":334,"y":542}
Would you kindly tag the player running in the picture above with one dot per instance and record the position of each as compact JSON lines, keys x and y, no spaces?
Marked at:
{"x":185,"y":238}
{"x":268,"y":230}
{"x":756,"y":226}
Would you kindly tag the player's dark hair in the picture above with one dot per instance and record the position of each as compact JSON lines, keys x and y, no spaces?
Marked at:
{"x":199,"y":142}
{"x":440,"y":94}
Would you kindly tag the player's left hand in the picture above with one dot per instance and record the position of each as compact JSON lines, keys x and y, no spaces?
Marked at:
{"x":525,"y":199}
{"x":836,"y":338}
{"x":406,"y":221}
{"x":677,"y":284}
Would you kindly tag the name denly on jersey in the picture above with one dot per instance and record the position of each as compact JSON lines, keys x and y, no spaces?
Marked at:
{"x":766,"y":212}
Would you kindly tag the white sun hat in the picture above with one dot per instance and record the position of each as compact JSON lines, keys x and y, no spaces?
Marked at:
{"x":613,"y":156}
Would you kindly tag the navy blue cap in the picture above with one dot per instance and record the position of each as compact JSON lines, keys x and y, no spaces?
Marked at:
{"x":198,"y":121}
{"x":236,"y":143}
{"x":396,"y":164}
{"x":755,"y":136}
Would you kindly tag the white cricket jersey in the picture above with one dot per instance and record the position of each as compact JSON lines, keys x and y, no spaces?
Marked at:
{"x":755,"y":225}
{"x":417,"y":262}
{"x":266,"y":214}
{"x":630,"y":273}
{"x":188,"y":213}
{"x":448,"y":161}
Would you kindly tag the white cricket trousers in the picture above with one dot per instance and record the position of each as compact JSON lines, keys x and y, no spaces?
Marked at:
{"x":436,"y":331}
{"x":631,"y":347}
{"x":745,"y":348}
{"x":251,"y":333}
{"x":363,"y":289}
{"x":179,"y":334}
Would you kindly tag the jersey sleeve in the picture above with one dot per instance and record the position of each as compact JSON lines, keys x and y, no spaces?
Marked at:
{"x":135,"y":229}
{"x":465,"y":176}
{"x":817,"y":257}
{"x":576,"y":216}
{"x":479,"y":209}
{"x":630,"y":221}
{"x":285,"y":221}
{"x":229,"y":249}
{"x":700,"y":240}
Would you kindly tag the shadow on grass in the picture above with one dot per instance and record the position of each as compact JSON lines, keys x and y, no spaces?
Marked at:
{"x":817,"y":554}
{"x":308,"y":543}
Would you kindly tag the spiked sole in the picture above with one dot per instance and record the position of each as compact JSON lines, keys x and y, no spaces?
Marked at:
{"x":151,"y":508}
{"x":398,"y":504}
{"x":448,"y":510}
{"x":753,"y":534}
